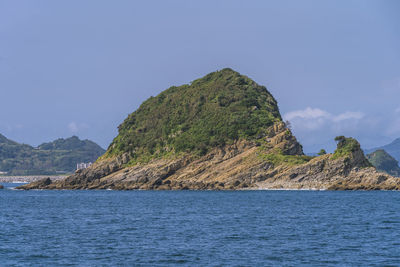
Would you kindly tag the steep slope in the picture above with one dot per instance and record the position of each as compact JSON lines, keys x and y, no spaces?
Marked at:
{"x":345,"y":169}
{"x":393,"y":149}
{"x":382,"y":161}
{"x":212,"y":111}
{"x":274,"y":162}
{"x":230,"y":166}
{"x":222,"y":131}
{"x":49,"y":158}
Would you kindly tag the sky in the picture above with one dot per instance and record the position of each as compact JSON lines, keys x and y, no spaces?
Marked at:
{"x":80,"y":67}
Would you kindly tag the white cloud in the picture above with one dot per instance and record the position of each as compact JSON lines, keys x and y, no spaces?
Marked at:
{"x":308,"y":113}
{"x":316,"y":128}
{"x":349,"y":115}
{"x":315,"y":118}
{"x":73,"y":127}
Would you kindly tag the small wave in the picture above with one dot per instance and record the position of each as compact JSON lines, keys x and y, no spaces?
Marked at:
{"x":39,"y":256}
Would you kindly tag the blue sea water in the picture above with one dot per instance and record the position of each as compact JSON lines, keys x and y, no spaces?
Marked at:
{"x":206,"y":228}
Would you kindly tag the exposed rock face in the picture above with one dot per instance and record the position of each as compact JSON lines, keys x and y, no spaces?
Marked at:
{"x":236,"y":166}
{"x":41,"y":184}
{"x":366,"y":179}
{"x":281,"y":138}
{"x":222,"y":131}
{"x":324,"y":173}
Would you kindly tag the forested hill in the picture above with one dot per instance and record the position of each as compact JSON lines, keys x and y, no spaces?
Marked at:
{"x":59,"y":156}
{"x":384,"y":162}
{"x":217,"y":109}
{"x":393,"y":149}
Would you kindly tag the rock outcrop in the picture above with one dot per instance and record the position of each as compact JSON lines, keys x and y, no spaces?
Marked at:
{"x":41,"y":184}
{"x":276,"y":163}
{"x":221,"y":132}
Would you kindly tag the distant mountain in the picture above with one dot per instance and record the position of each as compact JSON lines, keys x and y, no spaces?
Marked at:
{"x":393,"y":149}
{"x":59,"y":156}
{"x":73,"y":143}
{"x":4,"y":140}
{"x":382,"y":161}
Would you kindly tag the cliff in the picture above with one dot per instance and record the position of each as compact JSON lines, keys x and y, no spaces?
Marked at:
{"x":276,"y":163}
{"x":224,"y":132}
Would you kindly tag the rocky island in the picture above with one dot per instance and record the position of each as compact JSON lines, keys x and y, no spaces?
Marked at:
{"x":220,"y":132}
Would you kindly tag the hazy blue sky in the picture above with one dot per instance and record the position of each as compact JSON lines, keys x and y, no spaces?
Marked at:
{"x":80,"y":67}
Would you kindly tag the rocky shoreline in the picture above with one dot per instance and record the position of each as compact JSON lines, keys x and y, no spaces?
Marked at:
{"x":29,"y":179}
{"x":241,"y":166}
{"x":220,"y":132}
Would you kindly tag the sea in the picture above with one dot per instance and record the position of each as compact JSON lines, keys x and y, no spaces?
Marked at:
{"x":199,"y":228}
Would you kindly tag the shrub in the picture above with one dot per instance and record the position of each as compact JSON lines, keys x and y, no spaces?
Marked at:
{"x":345,"y":147}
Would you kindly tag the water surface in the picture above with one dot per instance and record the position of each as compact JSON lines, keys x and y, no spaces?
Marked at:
{"x":158,"y":228}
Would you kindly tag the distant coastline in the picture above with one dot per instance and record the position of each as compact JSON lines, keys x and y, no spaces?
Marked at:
{"x":29,"y":179}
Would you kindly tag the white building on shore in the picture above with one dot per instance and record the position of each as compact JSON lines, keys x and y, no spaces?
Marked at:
{"x":83,"y":165}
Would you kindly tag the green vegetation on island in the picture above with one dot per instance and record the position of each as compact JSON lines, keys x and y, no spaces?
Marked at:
{"x":384,"y":162}
{"x":345,"y":146}
{"x":277,"y":159}
{"x":220,"y":132}
{"x":393,"y":149}
{"x":212,"y":111}
{"x":60,"y":156}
